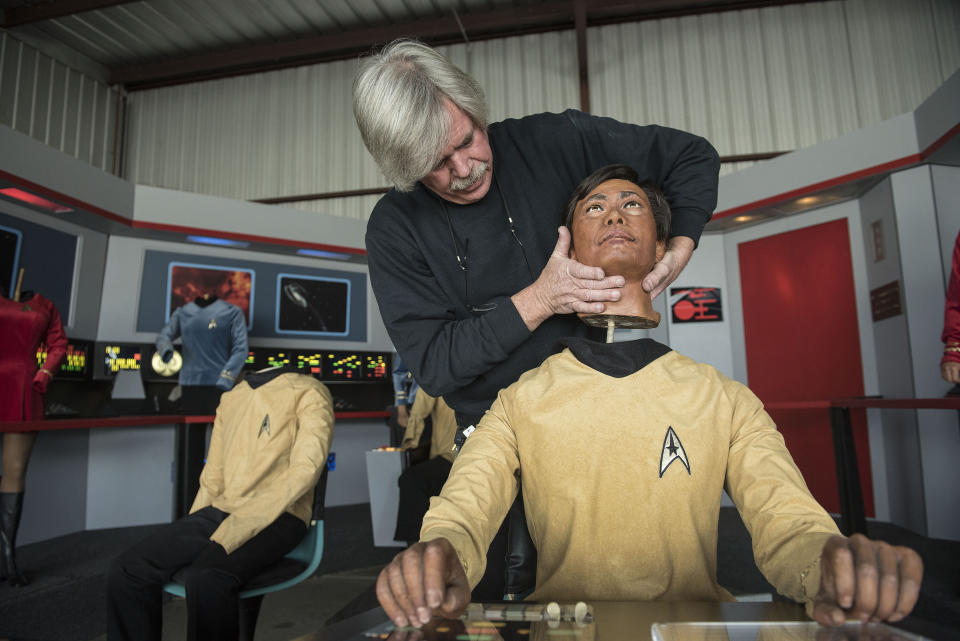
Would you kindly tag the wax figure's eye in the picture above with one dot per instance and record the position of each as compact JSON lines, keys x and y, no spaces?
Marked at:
{"x":631,"y":204}
{"x":595,"y":207}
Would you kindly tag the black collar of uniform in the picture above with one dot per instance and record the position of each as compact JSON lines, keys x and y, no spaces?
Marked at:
{"x":256,"y":379}
{"x":616,"y":359}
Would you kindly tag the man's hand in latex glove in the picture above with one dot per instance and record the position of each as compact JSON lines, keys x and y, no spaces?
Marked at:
{"x":565,"y":286}
{"x":679,"y":251}
{"x":423,"y":580}
{"x":866,"y":580}
{"x":40,"y":380}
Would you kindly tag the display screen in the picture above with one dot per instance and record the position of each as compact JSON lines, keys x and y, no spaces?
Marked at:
{"x":310,"y":361}
{"x":375,"y":367}
{"x":342,"y":366}
{"x":311,"y":305}
{"x":121,"y":357}
{"x":76,"y":362}
{"x":187,"y":281}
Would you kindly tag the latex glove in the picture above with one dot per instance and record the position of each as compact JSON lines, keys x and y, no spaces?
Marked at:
{"x":679,"y":251}
{"x":565,"y":286}
{"x":40,"y":380}
{"x":866,"y":580}
{"x":423,"y":580}
{"x":950,"y":370}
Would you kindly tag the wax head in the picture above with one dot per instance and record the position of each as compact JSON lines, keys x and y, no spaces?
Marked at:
{"x":613,"y":227}
{"x":620,"y":224}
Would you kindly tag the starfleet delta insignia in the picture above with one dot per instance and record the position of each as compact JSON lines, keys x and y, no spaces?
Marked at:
{"x":212,"y":324}
{"x":672,"y":451}
{"x":264,"y":426}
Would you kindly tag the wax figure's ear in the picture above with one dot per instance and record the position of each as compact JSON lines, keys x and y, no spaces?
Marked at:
{"x":661,"y":249}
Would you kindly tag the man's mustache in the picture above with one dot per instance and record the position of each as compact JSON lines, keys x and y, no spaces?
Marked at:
{"x":460,"y":184}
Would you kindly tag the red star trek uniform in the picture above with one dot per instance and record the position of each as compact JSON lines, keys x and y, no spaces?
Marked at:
{"x":23,"y":327}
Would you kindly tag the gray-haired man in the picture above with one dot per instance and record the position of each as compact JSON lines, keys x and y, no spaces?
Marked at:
{"x":471,"y":273}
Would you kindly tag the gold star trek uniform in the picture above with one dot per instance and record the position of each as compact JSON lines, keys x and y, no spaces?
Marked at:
{"x":444,"y":425}
{"x":624,"y":449}
{"x":267,"y":450}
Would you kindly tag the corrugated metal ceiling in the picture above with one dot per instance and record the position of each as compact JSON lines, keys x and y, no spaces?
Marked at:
{"x":152,"y":42}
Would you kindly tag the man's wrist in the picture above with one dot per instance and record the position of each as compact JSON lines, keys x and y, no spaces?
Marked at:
{"x":531,"y":308}
{"x":681,"y":242}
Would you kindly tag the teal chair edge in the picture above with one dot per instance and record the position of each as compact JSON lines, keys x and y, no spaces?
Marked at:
{"x":309,"y":550}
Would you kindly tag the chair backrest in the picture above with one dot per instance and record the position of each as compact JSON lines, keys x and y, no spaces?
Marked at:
{"x":320,"y":495}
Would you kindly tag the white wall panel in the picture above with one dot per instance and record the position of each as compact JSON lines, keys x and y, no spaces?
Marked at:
{"x":758,"y":80}
{"x":292,"y":131}
{"x":895,"y":49}
{"x":56,"y":105}
{"x":256,"y":136}
{"x":779,"y":78}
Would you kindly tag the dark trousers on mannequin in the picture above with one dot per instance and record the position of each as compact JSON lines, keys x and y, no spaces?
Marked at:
{"x":212,"y":578}
{"x":417,"y":484}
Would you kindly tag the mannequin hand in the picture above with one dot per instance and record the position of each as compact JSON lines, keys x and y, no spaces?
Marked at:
{"x":679,"y":251}
{"x":866,"y":580}
{"x":40,"y":380}
{"x":423,"y":580}
{"x":565,"y":286}
{"x":950,"y":370}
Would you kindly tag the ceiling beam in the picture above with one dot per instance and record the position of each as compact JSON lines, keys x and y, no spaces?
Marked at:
{"x":19,"y":16}
{"x":497,"y":23}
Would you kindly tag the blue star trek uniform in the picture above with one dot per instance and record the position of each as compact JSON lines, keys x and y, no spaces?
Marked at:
{"x":214,"y":343}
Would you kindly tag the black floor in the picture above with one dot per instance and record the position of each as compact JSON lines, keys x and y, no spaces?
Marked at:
{"x":65,"y":601}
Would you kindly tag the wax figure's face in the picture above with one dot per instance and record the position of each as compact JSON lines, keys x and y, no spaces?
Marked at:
{"x":613,"y":228}
{"x":464,"y":172}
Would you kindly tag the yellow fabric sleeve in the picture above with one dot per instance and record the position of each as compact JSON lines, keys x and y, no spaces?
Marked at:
{"x":787,"y":525}
{"x":422,"y":407}
{"x":478,"y":493}
{"x":211,"y":478}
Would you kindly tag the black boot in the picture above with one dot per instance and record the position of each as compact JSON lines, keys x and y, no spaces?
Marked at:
{"x":11,"y":505}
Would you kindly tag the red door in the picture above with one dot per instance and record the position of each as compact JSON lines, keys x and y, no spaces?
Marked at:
{"x":803,"y":343}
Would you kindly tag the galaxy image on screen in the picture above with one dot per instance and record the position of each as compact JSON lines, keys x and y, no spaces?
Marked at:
{"x":229,"y":285}
{"x":312,"y":305}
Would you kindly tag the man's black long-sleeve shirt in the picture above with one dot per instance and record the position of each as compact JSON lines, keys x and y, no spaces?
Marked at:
{"x":457,"y":329}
